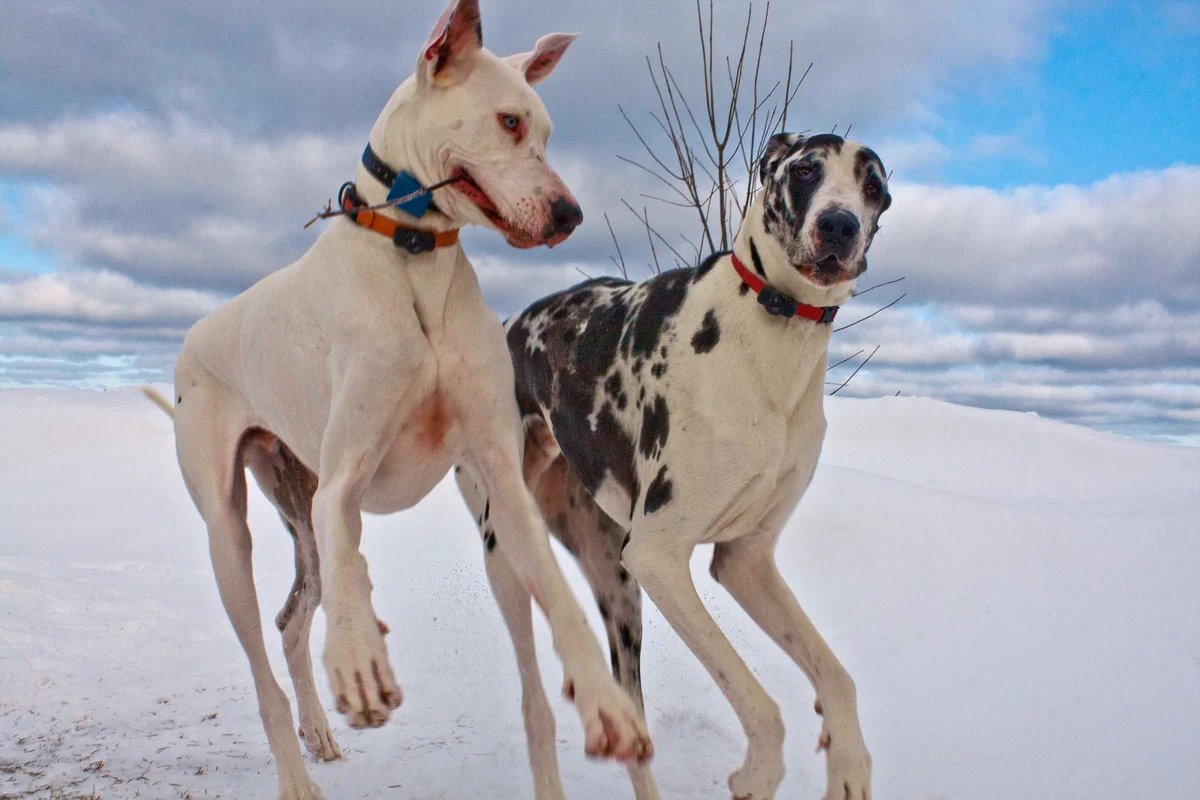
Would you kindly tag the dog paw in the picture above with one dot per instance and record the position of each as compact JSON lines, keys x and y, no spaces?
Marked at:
{"x":364,"y":687}
{"x":847,"y":764}
{"x":758,"y":777}
{"x":303,"y":789}
{"x":318,"y":738}
{"x":612,"y":726}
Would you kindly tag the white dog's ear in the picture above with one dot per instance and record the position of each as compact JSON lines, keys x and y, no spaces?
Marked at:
{"x":458,"y":35}
{"x":538,"y":65}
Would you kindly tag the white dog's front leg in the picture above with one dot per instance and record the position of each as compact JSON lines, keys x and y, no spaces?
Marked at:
{"x":612,"y":725}
{"x":369,"y":410}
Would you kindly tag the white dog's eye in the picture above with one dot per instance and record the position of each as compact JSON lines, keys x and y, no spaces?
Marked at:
{"x":510,"y":121}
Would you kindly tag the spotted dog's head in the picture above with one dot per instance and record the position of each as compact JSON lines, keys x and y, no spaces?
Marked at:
{"x":821,"y":201}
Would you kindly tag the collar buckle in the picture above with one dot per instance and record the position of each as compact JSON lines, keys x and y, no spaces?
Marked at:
{"x":414,"y":241}
{"x":827,"y":314}
{"x":776,"y":302}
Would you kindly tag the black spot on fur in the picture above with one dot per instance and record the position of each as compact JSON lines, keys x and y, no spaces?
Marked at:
{"x":604,"y":612}
{"x":743,"y":289}
{"x":659,"y":369}
{"x":664,"y":297}
{"x":707,"y":264}
{"x":613,"y":385}
{"x":656,"y":425}
{"x":708,"y":334}
{"x":757,"y":259}
{"x":616,"y":662}
{"x":489,"y":540}
{"x":487,"y":509}
{"x":800,"y":194}
{"x":659,"y":492}
{"x":824,"y":141}
{"x":623,"y":574}
{"x":626,"y":637}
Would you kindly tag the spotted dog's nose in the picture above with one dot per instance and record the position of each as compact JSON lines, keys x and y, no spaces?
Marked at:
{"x":565,"y":216}
{"x":838,"y":230}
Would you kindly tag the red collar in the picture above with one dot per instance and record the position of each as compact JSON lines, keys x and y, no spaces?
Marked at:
{"x":778,"y":303}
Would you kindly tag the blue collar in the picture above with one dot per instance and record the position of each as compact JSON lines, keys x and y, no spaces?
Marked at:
{"x":398,"y":183}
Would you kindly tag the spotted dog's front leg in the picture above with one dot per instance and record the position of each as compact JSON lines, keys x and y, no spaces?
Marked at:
{"x":746,"y":568}
{"x":660,"y":562}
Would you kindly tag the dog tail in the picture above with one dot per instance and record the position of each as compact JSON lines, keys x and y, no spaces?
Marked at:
{"x":159,"y":401}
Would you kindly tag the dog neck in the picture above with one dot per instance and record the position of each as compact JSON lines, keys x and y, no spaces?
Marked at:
{"x":392,"y":142}
{"x":780,"y":273}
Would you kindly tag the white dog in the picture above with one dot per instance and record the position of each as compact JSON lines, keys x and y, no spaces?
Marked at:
{"x":353,"y":379}
{"x":688,"y":409}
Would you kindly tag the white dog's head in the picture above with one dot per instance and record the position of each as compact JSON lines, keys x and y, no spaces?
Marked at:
{"x":821,"y":200}
{"x":469,"y":113}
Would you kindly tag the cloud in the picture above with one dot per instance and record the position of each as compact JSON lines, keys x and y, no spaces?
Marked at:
{"x":328,"y":68}
{"x":99,"y":297}
{"x":1127,"y":238}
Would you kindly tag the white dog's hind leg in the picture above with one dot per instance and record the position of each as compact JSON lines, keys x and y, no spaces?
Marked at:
{"x":747,"y":569}
{"x":514,"y":601}
{"x":290,"y":486}
{"x":214,"y":473}
{"x":295,"y":623}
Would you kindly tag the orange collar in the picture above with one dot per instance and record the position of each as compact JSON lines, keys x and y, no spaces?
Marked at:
{"x":411,"y":240}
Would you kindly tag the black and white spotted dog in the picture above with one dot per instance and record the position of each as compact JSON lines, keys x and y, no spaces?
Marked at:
{"x":687,"y":408}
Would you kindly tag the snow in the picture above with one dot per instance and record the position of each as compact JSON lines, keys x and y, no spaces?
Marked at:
{"x":1017,"y":599}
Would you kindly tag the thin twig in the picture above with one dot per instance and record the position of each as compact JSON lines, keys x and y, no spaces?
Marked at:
{"x":843,"y":361}
{"x":852,"y":374}
{"x":876,"y":286}
{"x":616,"y":244}
{"x":329,"y":210}
{"x":873,"y":313}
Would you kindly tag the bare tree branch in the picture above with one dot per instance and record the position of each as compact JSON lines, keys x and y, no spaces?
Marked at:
{"x":616,"y":244}
{"x":876,"y":286}
{"x":843,"y":361}
{"x":873,"y":313}
{"x":856,"y":369}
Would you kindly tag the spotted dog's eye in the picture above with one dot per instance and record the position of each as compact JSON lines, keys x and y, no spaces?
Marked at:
{"x":872,"y":188}
{"x":805,"y":170}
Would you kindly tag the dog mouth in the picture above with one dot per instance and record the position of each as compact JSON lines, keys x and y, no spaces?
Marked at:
{"x":468,"y":187}
{"x":827,"y":271}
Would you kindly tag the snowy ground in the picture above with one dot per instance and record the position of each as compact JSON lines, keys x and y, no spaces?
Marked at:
{"x":1018,"y":600}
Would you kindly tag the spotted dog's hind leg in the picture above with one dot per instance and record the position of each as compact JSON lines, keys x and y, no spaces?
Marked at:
{"x":290,"y":486}
{"x":513,"y":597}
{"x":595,"y":540}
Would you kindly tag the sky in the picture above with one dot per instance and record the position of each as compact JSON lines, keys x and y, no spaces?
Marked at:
{"x":156,"y":158}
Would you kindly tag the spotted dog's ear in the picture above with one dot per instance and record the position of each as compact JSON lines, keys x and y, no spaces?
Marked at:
{"x":778,"y":146}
